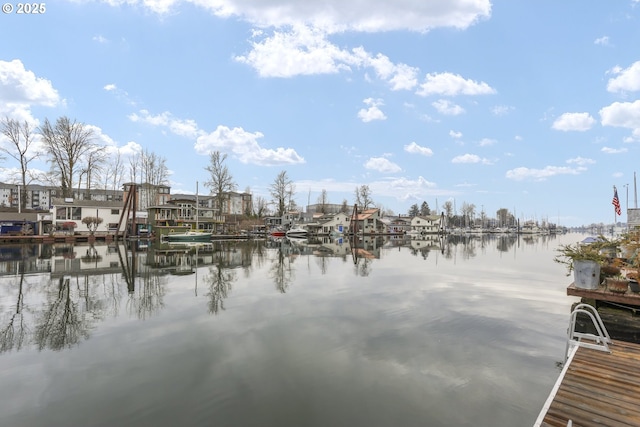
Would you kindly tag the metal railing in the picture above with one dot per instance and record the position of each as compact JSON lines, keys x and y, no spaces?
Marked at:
{"x":598,"y":341}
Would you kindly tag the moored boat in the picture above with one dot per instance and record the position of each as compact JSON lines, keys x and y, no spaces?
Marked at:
{"x":297,"y":232}
{"x":189,"y":236}
{"x":277,"y":232}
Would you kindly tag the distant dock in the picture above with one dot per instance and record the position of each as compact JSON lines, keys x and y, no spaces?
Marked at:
{"x":57,"y":238}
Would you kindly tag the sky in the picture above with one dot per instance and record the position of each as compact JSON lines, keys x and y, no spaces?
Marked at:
{"x":529,"y":106}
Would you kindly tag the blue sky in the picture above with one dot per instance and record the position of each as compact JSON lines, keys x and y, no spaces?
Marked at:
{"x":529,"y":106}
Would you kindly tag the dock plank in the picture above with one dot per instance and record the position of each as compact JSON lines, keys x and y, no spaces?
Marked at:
{"x":603,"y":294}
{"x":598,"y":389}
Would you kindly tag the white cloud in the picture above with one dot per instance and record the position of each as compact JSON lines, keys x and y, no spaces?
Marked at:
{"x":628,"y":79}
{"x":382,"y":165}
{"x":399,"y":188}
{"x":373,"y":112}
{"x":501,"y":110}
{"x":244,"y":145}
{"x":303,"y":50}
{"x":522,"y":173}
{"x":340,"y":15}
{"x":300,"y":51}
{"x":187,"y":128}
{"x":610,"y":150}
{"x":622,"y":114}
{"x":447,"y":107}
{"x":20,"y":89}
{"x":485,"y":142}
{"x":418,"y":149}
{"x":470,"y":158}
{"x":400,"y":76}
{"x":455,"y":135}
{"x":130,"y":148}
{"x":581,"y":161}
{"x":110,"y":87}
{"x":574,"y":121}
{"x":602,"y":41}
{"x":99,"y":137}
{"x":449,"y":84}
{"x":100,"y":39}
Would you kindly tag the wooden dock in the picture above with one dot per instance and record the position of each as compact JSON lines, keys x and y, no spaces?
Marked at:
{"x":596,"y":388}
{"x":602,"y":294}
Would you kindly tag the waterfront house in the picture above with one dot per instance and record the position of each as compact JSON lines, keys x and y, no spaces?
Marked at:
{"x":427,"y":224}
{"x":285,"y":221}
{"x":368,"y":222}
{"x":182,"y":212}
{"x":67,"y":215}
{"x":335,"y":223}
{"x":397,"y":224}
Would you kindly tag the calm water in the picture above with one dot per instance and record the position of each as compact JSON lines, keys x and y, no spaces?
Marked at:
{"x":467,"y":332}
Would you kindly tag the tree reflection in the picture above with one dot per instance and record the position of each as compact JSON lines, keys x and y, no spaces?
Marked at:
{"x":363,"y":267}
{"x":219,"y":280}
{"x":281,"y":271}
{"x":148,"y":298}
{"x":13,"y":334}
{"x":61,"y":325}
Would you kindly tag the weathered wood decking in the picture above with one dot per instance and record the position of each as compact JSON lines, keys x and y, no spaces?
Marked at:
{"x":596,"y":388}
{"x":602,"y":294}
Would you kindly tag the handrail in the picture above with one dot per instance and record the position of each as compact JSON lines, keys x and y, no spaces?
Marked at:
{"x":599,"y":341}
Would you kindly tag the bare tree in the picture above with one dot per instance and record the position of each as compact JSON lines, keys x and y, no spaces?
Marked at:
{"x":153,"y":172}
{"x":448,"y":209}
{"x":363,"y":197}
{"x":20,"y":138}
{"x":282,"y":191}
{"x":94,"y":161}
{"x":260,"y":206}
{"x":134,"y":163}
{"x":114,"y":172}
{"x":220,"y":179}
{"x":66,"y":142}
{"x":323,"y":201}
{"x":468,"y":212}
{"x":345,"y":206}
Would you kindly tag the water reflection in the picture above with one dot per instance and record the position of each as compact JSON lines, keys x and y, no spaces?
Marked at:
{"x":415,"y":329}
{"x":54,"y":296}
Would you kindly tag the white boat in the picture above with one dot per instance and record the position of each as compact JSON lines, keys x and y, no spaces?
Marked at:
{"x":297,"y":232}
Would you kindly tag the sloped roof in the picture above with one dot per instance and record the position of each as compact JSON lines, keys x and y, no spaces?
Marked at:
{"x":366,"y":214}
{"x":88,"y":203}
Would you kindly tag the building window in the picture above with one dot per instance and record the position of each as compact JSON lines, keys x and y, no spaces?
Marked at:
{"x":115,"y":211}
{"x":76,"y":213}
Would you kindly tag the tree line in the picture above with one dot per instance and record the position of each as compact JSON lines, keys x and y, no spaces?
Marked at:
{"x":77,"y":163}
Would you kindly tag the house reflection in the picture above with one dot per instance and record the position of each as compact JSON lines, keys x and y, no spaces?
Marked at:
{"x":55,"y":296}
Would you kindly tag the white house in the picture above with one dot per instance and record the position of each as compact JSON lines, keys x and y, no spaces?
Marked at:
{"x":426,"y":224}
{"x":66,"y":212}
{"x":334,"y":223}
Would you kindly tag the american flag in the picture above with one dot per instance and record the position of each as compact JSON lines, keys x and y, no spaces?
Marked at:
{"x":616,"y":201}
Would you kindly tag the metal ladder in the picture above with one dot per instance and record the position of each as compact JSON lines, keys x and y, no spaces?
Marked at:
{"x":599,"y":341}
